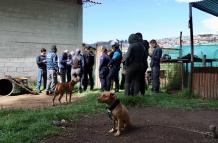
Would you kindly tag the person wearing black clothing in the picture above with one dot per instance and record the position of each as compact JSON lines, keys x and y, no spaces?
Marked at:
{"x":69,"y":66}
{"x":114,"y":67}
{"x":42,"y":73}
{"x":146,"y":48}
{"x":135,"y":65}
{"x":103,"y":69}
{"x":155,"y":66}
{"x":89,"y":60}
{"x":63,"y":66}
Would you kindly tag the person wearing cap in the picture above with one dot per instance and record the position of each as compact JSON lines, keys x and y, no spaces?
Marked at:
{"x":63,"y":66}
{"x":103,"y":69}
{"x":155,"y":66}
{"x":41,"y":72}
{"x":52,"y":70}
{"x":89,"y":61}
{"x":114,"y":67}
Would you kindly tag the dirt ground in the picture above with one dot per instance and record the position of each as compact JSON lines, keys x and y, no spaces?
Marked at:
{"x":94,"y":129}
{"x":28,"y":101}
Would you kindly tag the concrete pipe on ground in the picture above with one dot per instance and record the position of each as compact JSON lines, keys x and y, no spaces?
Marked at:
{"x":6,"y":87}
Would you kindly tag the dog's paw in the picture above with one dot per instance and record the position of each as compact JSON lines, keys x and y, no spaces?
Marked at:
{"x":117,"y":134}
{"x":112,"y":130}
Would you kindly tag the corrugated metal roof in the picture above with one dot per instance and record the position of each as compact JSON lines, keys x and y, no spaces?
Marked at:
{"x":209,"y":6}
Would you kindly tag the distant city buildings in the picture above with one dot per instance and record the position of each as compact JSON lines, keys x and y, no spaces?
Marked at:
{"x":171,"y":42}
{"x":198,"y":39}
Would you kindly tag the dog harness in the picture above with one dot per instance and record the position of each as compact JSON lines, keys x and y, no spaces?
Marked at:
{"x":112,"y":107}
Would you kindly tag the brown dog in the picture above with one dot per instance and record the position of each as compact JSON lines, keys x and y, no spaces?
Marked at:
{"x":120,"y":115}
{"x":61,"y":88}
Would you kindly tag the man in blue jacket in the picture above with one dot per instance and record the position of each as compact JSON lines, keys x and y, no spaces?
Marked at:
{"x":42,"y":73}
{"x":155,"y":66}
{"x":114,"y":67}
{"x":52,"y":69}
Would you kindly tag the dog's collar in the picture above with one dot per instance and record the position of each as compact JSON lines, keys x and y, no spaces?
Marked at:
{"x":113,"y":105}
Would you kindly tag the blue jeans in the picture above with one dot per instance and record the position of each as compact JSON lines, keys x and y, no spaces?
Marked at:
{"x":41,"y":74}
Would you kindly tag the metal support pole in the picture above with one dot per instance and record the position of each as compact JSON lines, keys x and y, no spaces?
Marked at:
{"x":192,"y":45}
{"x":180,"y":42}
{"x":121,"y":45}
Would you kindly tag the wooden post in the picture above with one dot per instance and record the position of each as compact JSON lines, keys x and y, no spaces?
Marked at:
{"x":181,"y":74}
{"x":204,"y":61}
{"x":186,"y":75}
{"x":97,"y":63}
{"x":192,"y":45}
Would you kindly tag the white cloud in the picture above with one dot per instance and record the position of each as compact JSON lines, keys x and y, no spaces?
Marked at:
{"x":211,"y":23}
{"x":187,"y":1}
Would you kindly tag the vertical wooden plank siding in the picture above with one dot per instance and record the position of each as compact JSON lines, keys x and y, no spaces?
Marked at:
{"x":205,"y":82}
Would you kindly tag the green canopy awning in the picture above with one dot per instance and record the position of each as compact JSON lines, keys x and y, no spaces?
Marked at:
{"x":209,"y":6}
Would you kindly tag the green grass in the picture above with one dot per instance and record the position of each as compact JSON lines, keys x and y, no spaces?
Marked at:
{"x":169,"y":101}
{"x":31,"y":126}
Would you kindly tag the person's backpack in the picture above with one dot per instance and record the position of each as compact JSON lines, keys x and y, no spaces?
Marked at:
{"x":76,"y":63}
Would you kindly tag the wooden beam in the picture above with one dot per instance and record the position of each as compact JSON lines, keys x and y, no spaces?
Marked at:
{"x":192,"y":45}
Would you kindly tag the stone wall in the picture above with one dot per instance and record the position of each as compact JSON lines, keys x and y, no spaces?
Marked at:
{"x":28,"y":25}
{"x":18,"y":67}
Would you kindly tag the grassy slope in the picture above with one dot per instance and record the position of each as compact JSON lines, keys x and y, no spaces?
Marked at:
{"x":19,"y":126}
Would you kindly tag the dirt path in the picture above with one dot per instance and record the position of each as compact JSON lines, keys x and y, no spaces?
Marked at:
{"x":94,"y":129}
{"x":28,"y":101}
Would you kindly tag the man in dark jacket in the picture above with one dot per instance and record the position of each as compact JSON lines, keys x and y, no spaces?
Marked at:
{"x":155,"y":66}
{"x":69,"y":58}
{"x":103,"y":69}
{"x":52,"y":69}
{"x":114,"y":67}
{"x":63,"y":66}
{"x":89,"y":60}
{"x":42,"y":73}
{"x":135,"y":63}
{"x":146,"y":46}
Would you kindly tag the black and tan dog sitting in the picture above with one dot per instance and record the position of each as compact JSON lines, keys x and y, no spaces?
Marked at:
{"x":120,"y":115}
{"x":61,"y":88}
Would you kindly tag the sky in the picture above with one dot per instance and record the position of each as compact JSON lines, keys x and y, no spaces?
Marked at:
{"x":155,"y":19}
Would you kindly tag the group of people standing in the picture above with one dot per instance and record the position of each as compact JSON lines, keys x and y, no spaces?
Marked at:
{"x":134,"y":63}
{"x":79,"y":63}
{"x":109,"y":67}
